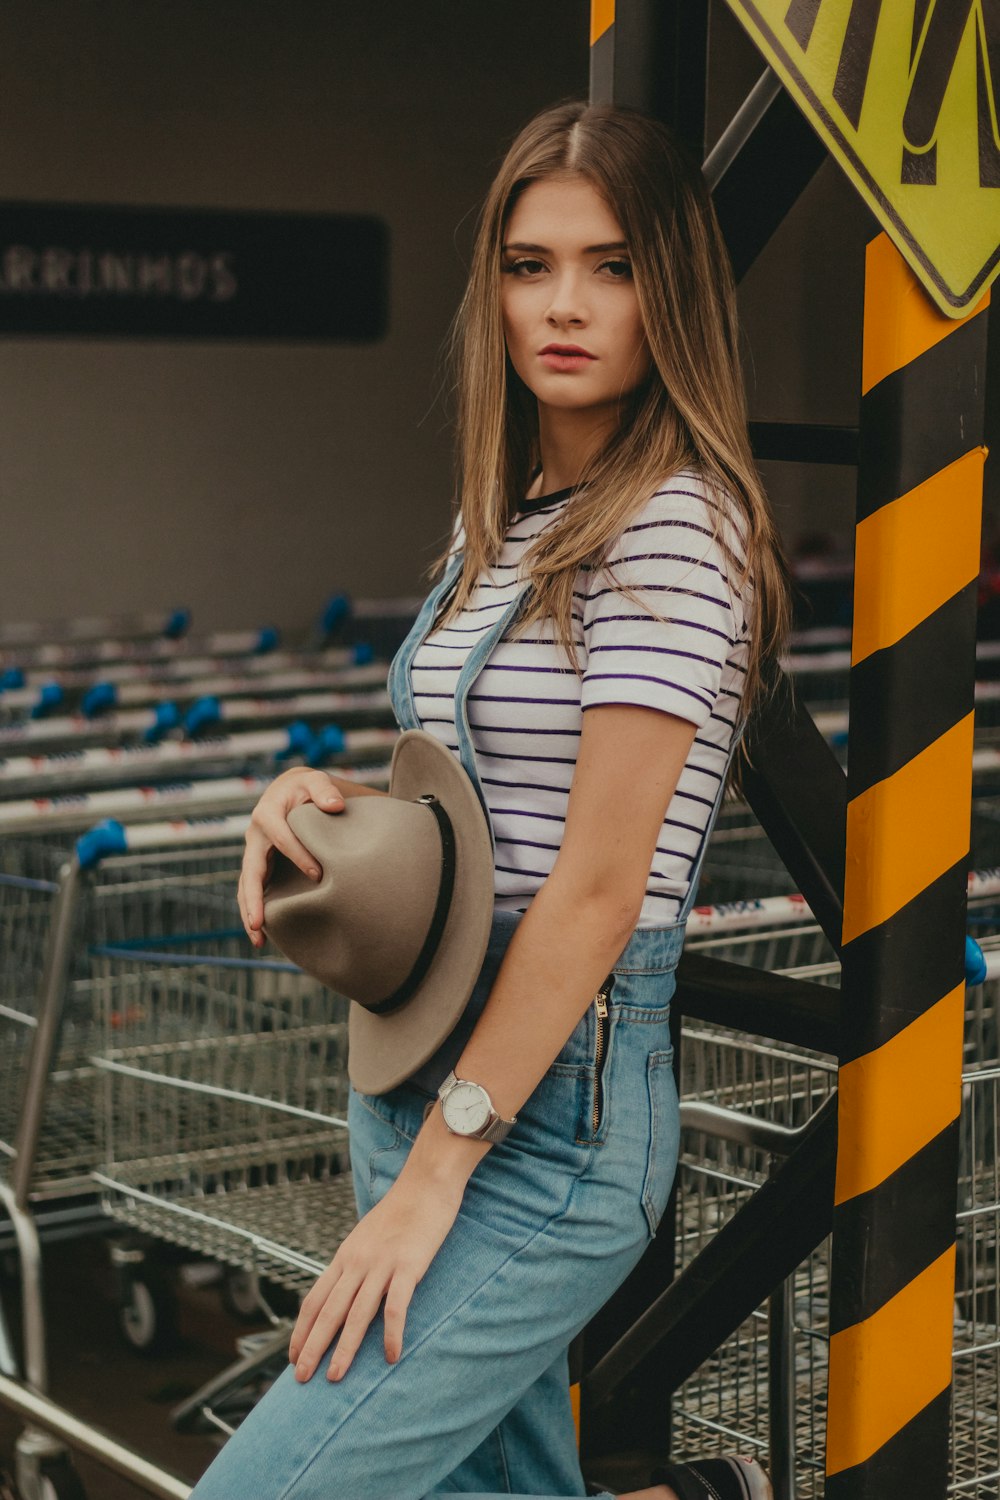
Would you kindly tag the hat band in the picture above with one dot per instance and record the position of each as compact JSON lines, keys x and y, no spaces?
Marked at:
{"x":416,"y":975}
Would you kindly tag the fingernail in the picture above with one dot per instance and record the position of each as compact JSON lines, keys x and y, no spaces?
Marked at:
{"x":313,"y":873}
{"x":301,"y":1372}
{"x":334,"y":1372}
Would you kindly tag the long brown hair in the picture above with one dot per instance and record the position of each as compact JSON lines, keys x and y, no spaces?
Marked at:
{"x":690,"y":412}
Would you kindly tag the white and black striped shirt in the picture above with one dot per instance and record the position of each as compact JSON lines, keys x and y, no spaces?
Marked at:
{"x":526,"y":706}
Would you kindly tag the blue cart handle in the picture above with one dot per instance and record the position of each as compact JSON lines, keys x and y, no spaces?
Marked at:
{"x":99,"y":699}
{"x":338,"y":609}
{"x":178,"y":624}
{"x":975,"y":962}
{"x":203,"y":715}
{"x":166,"y":717}
{"x":50,"y":696}
{"x":106,"y":837}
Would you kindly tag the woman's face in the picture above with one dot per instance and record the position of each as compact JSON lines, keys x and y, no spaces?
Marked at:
{"x":567,"y":285}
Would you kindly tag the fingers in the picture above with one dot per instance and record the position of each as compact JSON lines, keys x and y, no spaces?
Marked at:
{"x":366,"y":1303}
{"x":269,"y":819}
{"x":275,"y":833}
{"x":327,"y":1321}
{"x":312,"y":1303}
{"x":257,"y":861}
{"x":397,"y":1304}
{"x":269,"y":831}
{"x":348,"y":1304}
{"x":321,"y":790}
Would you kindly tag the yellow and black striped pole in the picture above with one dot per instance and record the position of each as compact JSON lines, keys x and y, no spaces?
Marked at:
{"x":602,"y":51}
{"x":909,"y":799}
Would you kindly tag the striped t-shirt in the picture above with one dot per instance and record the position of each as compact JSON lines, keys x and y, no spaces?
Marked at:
{"x":526,"y":706}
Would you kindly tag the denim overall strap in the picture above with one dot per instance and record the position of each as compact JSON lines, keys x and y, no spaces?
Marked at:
{"x":401,"y":689}
{"x":398,"y":683}
{"x":471,"y":668}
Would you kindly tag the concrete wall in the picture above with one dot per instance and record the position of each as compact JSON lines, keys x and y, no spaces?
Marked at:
{"x":249,"y":481}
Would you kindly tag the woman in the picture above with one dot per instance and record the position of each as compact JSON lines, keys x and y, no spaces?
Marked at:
{"x":612,"y":588}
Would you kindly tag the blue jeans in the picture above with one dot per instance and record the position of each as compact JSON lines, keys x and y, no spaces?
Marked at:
{"x":552,"y":1221}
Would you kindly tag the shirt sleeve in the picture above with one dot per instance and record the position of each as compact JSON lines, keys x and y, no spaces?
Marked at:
{"x":673,"y":559}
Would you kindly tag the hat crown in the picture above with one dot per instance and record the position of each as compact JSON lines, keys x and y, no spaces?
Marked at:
{"x":370,"y":911}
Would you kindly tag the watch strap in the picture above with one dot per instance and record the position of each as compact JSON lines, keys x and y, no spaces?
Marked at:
{"x":495,"y":1129}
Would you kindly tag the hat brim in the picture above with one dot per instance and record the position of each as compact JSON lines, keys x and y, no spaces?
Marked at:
{"x":385,"y":1050}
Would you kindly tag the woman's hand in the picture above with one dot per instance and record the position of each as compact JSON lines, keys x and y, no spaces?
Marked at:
{"x":269,"y":830}
{"x":384,"y":1256}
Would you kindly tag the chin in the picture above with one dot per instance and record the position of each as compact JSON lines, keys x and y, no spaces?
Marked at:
{"x":569,"y":397}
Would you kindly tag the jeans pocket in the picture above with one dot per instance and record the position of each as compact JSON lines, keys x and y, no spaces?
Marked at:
{"x":378,"y":1147}
{"x":664,"y":1137}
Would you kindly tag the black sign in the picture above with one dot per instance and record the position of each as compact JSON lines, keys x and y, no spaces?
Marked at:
{"x":180,"y":273}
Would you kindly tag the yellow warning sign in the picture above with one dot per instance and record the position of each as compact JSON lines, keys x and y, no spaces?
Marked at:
{"x":906,"y":95}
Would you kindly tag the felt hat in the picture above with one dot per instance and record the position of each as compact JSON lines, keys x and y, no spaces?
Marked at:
{"x":400,"y":917}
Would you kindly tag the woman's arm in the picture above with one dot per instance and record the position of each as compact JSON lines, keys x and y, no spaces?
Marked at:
{"x":629,"y":763}
{"x":627,"y":770}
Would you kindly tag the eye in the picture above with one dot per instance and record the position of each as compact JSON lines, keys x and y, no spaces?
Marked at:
{"x":523,"y":267}
{"x":619,"y":270}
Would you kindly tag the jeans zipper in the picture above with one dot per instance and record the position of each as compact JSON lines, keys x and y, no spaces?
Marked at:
{"x":601,"y":1005}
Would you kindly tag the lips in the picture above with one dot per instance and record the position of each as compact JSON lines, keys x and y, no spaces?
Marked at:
{"x":566,"y":359}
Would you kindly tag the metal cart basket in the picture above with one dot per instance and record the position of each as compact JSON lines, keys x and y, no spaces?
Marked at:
{"x":722,"y":1164}
{"x":222,"y":1108}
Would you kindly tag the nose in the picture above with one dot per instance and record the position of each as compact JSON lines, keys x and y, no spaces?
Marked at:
{"x":567,"y":303}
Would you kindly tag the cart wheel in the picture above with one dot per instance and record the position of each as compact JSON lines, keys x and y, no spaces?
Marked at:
{"x":240,"y":1297}
{"x":60,"y":1481}
{"x":147,"y":1312}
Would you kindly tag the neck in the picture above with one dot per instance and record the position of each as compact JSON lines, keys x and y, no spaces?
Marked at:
{"x":567,"y":440}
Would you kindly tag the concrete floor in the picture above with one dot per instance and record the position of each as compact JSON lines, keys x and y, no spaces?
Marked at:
{"x":95,"y":1375}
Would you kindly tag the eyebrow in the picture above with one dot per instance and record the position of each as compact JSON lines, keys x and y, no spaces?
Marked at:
{"x":590,"y":250}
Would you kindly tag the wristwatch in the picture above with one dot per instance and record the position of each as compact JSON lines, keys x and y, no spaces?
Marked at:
{"x":468,"y":1110}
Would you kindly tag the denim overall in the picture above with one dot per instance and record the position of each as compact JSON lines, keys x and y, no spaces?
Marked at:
{"x":552,"y":1221}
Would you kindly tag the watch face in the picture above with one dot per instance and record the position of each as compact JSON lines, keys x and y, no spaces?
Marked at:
{"x":466,"y":1108}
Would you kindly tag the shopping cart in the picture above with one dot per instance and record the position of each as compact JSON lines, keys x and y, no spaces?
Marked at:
{"x":254,"y":751}
{"x":131,"y":681}
{"x":110,"y":713}
{"x":157,"y":879}
{"x":743,"y":1102}
{"x":171,"y":625}
{"x":48,"y":1139}
{"x":222,"y":1107}
{"x":49,"y":908}
{"x":223,"y":1130}
{"x":741,"y":862}
{"x":56,"y":905}
{"x":91,"y":651}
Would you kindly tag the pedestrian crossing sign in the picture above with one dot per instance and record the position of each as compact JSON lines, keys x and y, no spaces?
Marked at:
{"x":906,"y":95}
